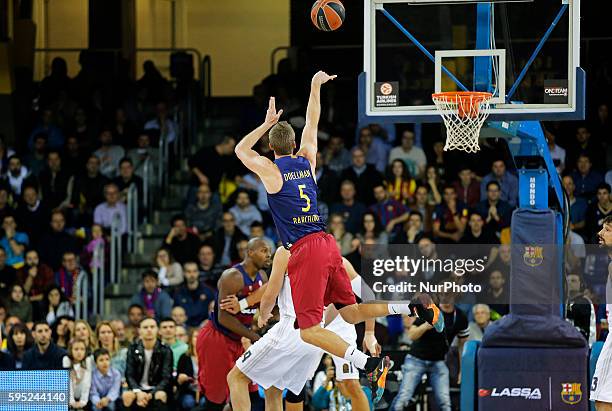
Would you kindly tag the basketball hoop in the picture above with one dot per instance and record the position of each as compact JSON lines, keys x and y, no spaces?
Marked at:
{"x":464,"y":113}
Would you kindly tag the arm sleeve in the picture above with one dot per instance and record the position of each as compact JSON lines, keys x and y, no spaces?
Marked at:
{"x":94,"y":395}
{"x":113,"y":393}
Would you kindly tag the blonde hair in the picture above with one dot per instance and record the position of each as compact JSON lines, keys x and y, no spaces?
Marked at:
{"x":92,"y":344}
{"x":282,"y":138}
{"x":115,"y":347}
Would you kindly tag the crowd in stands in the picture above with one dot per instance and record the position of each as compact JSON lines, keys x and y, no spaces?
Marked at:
{"x":377,"y":185}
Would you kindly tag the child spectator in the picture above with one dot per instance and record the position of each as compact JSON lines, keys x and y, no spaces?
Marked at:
{"x":105,"y":382}
{"x":80,"y":374}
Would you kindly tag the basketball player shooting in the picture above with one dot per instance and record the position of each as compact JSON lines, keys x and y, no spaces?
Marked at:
{"x":601,"y":386}
{"x":315,"y":269}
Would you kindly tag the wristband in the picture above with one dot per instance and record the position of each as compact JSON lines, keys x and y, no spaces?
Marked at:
{"x":244,"y":304}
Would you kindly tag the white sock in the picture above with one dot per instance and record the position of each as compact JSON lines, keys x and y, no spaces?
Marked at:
{"x":356,"y":357}
{"x":400,"y":308}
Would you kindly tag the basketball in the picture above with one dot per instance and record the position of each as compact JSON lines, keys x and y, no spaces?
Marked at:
{"x":327,"y":15}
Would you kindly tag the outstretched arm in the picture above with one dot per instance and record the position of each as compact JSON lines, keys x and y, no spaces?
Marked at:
{"x":260,"y":165}
{"x":308,"y":146}
{"x":275,"y":283}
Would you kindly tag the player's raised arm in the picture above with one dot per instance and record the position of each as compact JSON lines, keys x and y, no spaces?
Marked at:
{"x":260,"y":165}
{"x":275,"y":283}
{"x":308,"y":145}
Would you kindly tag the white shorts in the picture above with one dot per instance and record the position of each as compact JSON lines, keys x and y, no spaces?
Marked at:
{"x":280,"y":358}
{"x":601,"y":386}
{"x":344,"y":369}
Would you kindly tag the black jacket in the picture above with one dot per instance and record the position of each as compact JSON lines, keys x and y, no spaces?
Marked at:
{"x":50,"y":360}
{"x":7,"y":363}
{"x":185,"y":366}
{"x":160,"y":373}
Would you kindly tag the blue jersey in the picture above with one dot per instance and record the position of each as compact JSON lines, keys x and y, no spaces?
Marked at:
{"x":294,"y":208}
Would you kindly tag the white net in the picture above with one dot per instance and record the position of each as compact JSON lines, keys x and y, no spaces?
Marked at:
{"x":463,"y":113}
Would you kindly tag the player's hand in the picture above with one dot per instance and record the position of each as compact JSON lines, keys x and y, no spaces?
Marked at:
{"x":370,"y":344}
{"x":246,"y":343}
{"x":265,"y":312}
{"x":322,"y":77}
{"x":230,"y":304}
{"x":272,"y":116}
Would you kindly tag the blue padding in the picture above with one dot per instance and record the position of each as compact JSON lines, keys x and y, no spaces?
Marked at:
{"x":595,"y":351}
{"x":468,"y":376}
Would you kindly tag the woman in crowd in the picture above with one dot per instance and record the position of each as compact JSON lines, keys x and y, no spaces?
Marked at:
{"x":343,"y":237}
{"x":169,"y":272}
{"x":107,"y":339}
{"x":19,"y":305}
{"x":371,"y":229}
{"x":398,"y":182}
{"x":56,"y":304}
{"x":19,"y":341}
{"x":62,"y":331}
{"x":80,"y":374}
{"x":433,"y":182}
{"x":83,"y":332}
{"x":187,"y":379}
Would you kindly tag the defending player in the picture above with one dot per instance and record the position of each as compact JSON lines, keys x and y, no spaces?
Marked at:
{"x":218,"y":344}
{"x":601,"y":386}
{"x":315,"y":268}
{"x":281,"y":360}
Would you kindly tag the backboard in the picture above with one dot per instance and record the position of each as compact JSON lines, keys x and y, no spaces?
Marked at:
{"x":525,"y":52}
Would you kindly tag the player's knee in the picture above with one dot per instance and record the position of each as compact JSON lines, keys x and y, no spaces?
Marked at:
{"x":236,"y":377}
{"x":273,"y":394}
{"x":310,"y":335}
{"x":161,"y":396}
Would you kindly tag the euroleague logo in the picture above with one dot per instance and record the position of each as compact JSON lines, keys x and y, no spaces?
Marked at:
{"x":386,"y":89}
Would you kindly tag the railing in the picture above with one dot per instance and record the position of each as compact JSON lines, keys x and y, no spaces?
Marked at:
{"x":115,"y":251}
{"x":132,"y":217}
{"x":82,"y":298}
{"x":162,"y":172}
{"x":99,"y":277}
{"x":147,"y":171}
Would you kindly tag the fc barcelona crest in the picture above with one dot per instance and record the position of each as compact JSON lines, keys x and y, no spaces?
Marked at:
{"x":571,"y":393}
{"x":533,"y":255}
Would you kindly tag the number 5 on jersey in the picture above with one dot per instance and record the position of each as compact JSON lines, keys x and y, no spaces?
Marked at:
{"x":304,"y":196}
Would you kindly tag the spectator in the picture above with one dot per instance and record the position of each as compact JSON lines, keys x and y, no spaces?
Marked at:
{"x":105,"y":382}
{"x":187,"y":379}
{"x":439,"y":161}
{"x":83,"y":332}
{"x":327,"y":181}
{"x":97,"y":241}
{"x":66,"y":276}
{"x":20,"y":340}
{"x":62,"y":331}
{"x":155,"y":301}
{"x":244,"y":212}
{"x":426,"y":355}
{"x":597,"y":212}
{"x":169,"y":272}
{"x":210,"y":271}
{"x":141,"y":153}
{"x":433,"y":181}
{"x":578,"y":205}
{"x":56,"y":82}
{"x":126,"y":178}
{"x":105,"y":213}
{"x":608,"y":178}
{"x":497,"y":211}
{"x":120,"y":332}
{"x":364,"y":176}
{"x":477,"y":233}
{"x":335,"y":155}
{"x":6,"y":201}
{"x":16,"y":175}
{"x":556,"y":153}
{"x":343,"y":238}
{"x":7,"y":363}
{"x":449,"y":218}
{"x":154,"y":85}
{"x":257,"y":231}
{"x":375,"y":150}
{"x":44,"y":355}
{"x":371,"y":229}
{"x":252,"y":182}
{"x":178,"y":313}
{"x":88,"y":190}
{"x":482,"y":319}
{"x":580,"y":309}
{"x":35,"y":159}
{"x":586,"y":179}
{"x":467,"y":187}
{"x":194,"y":296}
{"x":54,"y":182}
{"x":584,"y":145}
{"x":8,"y":275}
{"x":109,"y":154}
{"x":181,"y":334}
{"x":496,"y":294}
{"x":56,"y":241}
{"x":80,"y":374}
{"x":149,"y":370}
{"x":226,"y":238}
{"x":412,"y":230}
{"x":5,"y":153}
{"x":390,"y":212}
{"x":19,"y":305}
{"x":167,"y":331}
{"x":508,"y":183}
{"x":204,"y":215}
{"x":183,"y":244}
{"x":413,"y":157}
{"x":73,"y":157}
{"x":399,"y":183}
{"x":32,"y":215}
{"x":56,"y":304}
{"x":242,"y":248}
{"x":350,"y":209}
{"x":35,"y":276}
{"x":55,"y":137}
{"x":135,"y":315}
{"x":168,"y":129}
{"x":14,"y":242}
{"x":122,"y":129}
{"x":208,"y":164}
{"x":109,"y":341}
